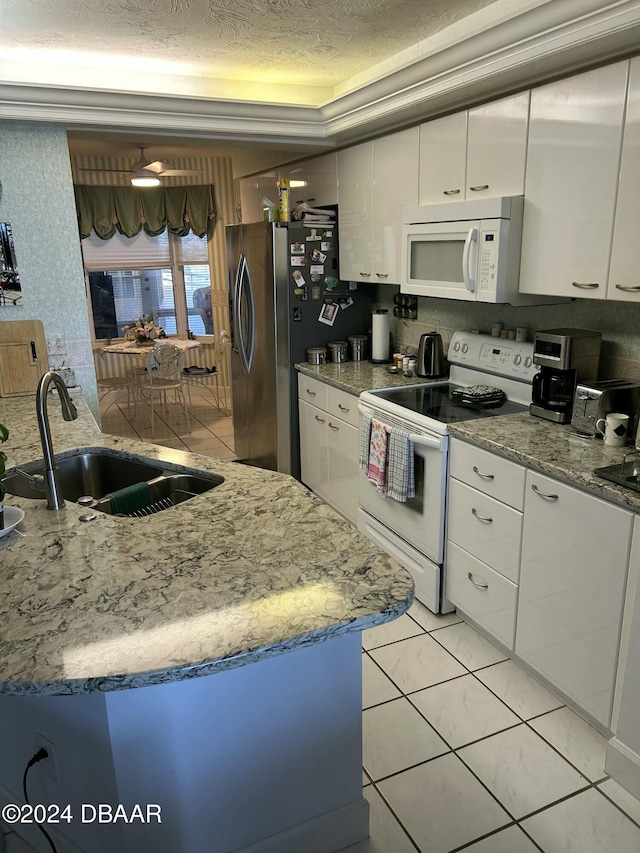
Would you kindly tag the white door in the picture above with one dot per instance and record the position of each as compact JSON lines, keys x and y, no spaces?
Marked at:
{"x":497,"y":147}
{"x":443,"y":154}
{"x":624,"y":273}
{"x":575,"y":131}
{"x":575,"y":551}
{"x":343,"y":467}
{"x":419,"y":521}
{"x":322,"y":180}
{"x":355,"y":210}
{"x":395,"y":160}
{"x":441,"y":259}
{"x":314,"y":462}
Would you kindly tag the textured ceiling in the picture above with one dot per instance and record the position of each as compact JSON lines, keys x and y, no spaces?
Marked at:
{"x":315,"y":43}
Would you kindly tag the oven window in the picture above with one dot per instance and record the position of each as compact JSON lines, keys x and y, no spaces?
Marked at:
{"x":436,"y":260}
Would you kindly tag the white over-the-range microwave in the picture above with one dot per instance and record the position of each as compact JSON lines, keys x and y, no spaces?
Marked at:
{"x":465,"y":250}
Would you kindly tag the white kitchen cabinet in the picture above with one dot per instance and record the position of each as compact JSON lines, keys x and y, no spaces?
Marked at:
{"x":624,"y":272}
{"x":575,"y":131}
{"x":575,"y":552}
{"x":484,"y":529}
{"x":443,"y":152}
{"x":320,"y":180}
{"x":253,"y":190}
{"x":475,"y":154}
{"x":355,"y":211}
{"x":497,"y":147}
{"x":395,"y":179}
{"x":376,"y":181}
{"x":329,"y":444}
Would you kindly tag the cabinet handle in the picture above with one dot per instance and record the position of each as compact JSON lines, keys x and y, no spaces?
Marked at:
{"x":450,"y":192}
{"x":332,"y":426}
{"x":382,"y":275}
{"x":365,"y":274}
{"x":484,"y":476}
{"x":479,"y":584}
{"x":311,"y":393}
{"x":320,"y":420}
{"x":630,"y":287}
{"x":481,"y":517}
{"x":544,"y":494}
{"x":589,"y":285}
{"x":343,"y":408}
{"x":479,"y":187}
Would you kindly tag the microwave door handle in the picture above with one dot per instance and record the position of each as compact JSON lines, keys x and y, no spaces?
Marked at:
{"x":469,"y":282}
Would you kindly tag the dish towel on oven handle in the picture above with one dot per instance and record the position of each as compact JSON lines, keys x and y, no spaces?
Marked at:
{"x":365,"y":438}
{"x":377,"y":464}
{"x":400,"y":471}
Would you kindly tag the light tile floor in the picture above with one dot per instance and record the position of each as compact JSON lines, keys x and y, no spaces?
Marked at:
{"x":210,"y":434}
{"x":463,"y":750}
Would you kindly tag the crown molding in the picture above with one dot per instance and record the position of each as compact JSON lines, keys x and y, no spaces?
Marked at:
{"x":547,"y":41}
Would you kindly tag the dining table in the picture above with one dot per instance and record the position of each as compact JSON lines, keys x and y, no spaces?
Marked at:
{"x":133,"y":348}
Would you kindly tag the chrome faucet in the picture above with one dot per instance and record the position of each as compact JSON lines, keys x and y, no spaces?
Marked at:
{"x":53,"y":486}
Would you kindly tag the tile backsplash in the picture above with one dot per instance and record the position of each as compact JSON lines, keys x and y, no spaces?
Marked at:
{"x":619,"y":323}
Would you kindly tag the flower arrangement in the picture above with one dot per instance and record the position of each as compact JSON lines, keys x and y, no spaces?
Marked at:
{"x":143,"y":330}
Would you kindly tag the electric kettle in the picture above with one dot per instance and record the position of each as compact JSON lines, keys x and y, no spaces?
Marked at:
{"x":431,"y":362}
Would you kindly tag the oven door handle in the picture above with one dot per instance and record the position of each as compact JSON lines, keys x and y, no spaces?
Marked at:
{"x":425,"y":440}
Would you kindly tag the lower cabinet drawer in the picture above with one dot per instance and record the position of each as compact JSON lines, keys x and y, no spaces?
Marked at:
{"x":484,"y":595}
{"x":485,"y":527}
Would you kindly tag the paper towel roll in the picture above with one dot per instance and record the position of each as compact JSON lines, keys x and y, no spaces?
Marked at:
{"x":380,"y":335}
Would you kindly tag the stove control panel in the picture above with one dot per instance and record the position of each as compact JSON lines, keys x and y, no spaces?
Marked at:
{"x":502,"y":357}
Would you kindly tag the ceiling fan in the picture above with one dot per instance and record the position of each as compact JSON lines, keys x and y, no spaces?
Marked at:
{"x":145,"y":173}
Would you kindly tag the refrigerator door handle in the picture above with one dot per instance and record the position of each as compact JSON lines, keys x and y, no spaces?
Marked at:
{"x":234,"y":307}
{"x":245,"y":323}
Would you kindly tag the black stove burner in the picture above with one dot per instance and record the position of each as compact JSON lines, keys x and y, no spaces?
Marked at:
{"x":435,"y":401}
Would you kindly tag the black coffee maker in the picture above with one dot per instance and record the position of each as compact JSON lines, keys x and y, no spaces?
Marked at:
{"x":566,"y":357}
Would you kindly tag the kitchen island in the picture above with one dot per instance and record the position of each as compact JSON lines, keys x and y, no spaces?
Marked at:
{"x":257,"y":571}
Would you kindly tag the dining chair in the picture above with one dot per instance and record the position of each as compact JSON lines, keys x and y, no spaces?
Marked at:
{"x":209,"y":377}
{"x":107,"y":384}
{"x":163,"y":374}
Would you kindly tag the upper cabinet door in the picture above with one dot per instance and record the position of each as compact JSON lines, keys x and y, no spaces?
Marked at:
{"x":497,"y":147}
{"x":624,"y":274}
{"x":395,"y":169}
{"x":355,"y":212}
{"x":575,"y":132}
{"x":322,"y":180}
{"x":443,"y":152}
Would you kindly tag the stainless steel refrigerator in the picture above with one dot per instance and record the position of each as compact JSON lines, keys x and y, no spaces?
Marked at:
{"x":280,"y":277}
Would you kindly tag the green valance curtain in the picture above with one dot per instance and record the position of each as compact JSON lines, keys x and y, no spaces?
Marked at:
{"x":106,"y":210}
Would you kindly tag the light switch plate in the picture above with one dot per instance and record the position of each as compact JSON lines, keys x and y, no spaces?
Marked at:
{"x":56,"y":345}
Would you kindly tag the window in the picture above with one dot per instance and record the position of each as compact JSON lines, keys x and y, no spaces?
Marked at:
{"x":164,"y":275}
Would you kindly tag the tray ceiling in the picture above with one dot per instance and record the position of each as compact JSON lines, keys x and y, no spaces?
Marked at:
{"x":308,"y":47}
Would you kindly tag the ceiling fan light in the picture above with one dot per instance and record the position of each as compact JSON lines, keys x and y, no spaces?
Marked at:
{"x":145,"y":181}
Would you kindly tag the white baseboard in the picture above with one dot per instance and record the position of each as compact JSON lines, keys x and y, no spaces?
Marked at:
{"x":328,"y":833}
{"x":623,"y":765}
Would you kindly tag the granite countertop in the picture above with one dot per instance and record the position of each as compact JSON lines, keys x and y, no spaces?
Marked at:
{"x":354,"y":377}
{"x":254,"y":568}
{"x":552,"y":449}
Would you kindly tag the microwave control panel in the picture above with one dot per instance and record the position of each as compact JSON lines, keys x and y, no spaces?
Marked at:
{"x":488,"y":251}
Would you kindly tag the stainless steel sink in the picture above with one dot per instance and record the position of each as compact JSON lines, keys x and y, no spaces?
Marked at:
{"x":625,"y":473}
{"x":96,"y":474}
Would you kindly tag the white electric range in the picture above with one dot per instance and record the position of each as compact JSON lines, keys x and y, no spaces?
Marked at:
{"x":413,"y":533}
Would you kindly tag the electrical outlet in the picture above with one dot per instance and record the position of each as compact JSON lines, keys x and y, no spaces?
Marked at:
{"x":56,"y":345}
{"x":49,"y":764}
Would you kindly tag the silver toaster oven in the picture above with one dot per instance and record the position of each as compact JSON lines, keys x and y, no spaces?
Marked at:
{"x":594,"y":400}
